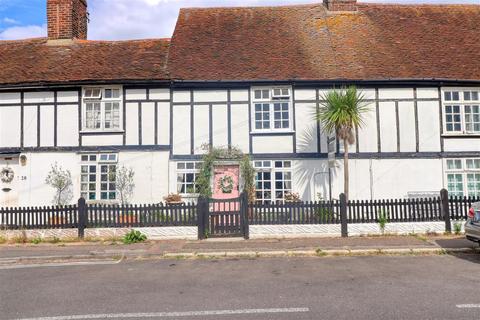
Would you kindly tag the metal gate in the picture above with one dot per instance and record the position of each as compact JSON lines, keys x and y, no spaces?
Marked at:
{"x":223,"y":217}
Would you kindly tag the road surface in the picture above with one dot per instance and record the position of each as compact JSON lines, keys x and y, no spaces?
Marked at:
{"x":375,"y":287}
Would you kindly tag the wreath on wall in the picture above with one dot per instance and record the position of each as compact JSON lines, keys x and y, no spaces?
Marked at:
{"x":226,"y":184}
{"x":7,"y":174}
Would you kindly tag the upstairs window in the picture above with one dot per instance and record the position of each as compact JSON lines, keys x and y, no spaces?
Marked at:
{"x":102,"y":110}
{"x":462,"y":111}
{"x":463,"y":177}
{"x":272,"y":109}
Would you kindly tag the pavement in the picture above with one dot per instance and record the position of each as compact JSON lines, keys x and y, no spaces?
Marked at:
{"x":340,"y":287}
{"x":80,"y":251}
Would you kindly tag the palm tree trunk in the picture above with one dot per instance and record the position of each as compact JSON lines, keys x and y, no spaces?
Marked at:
{"x":345,"y":168}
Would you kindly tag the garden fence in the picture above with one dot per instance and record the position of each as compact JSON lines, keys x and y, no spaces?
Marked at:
{"x":83,"y":215}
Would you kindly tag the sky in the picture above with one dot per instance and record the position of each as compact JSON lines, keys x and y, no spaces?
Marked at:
{"x":129,"y":19}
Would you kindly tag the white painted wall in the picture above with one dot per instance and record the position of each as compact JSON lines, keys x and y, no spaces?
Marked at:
{"x":388,"y":127}
{"x":163,"y":123}
{"x":272,"y":144}
{"x":47,"y":125}
{"x":367,"y":134}
{"x":151,"y":175}
{"x":131,"y":126}
{"x":201,"y":127}
{"x":240,"y":125}
{"x":148,"y":123}
{"x":67,"y":125}
{"x":103,"y":140}
{"x":10,"y":126}
{"x":306,"y":127}
{"x":406,"y":117}
{"x":428,"y":126}
{"x":181,"y":129}
{"x":220,"y":125}
{"x":30,"y":126}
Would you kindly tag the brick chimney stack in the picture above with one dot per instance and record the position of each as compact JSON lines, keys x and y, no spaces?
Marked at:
{"x":340,"y":5}
{"x":67,"y":19}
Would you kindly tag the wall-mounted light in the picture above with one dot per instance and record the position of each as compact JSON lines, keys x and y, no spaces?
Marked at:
{"x":23,"y":160}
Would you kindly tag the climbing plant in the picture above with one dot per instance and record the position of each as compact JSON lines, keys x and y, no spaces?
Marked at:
{"x":204,"y":178}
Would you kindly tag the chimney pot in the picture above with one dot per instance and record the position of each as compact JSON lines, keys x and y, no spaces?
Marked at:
{"x":340,"y":5}
{"x":67,"y":19}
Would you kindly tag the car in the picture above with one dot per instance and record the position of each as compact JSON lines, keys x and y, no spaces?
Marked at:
{"x":472,"y":226}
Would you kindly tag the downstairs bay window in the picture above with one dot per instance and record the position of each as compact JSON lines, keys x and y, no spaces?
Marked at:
{"x":463,"y":177}
{"x":273,"y":180}
{"x":98,"y":177}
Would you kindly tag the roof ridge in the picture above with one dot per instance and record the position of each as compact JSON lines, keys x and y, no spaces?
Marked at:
{"x":313,"y":4}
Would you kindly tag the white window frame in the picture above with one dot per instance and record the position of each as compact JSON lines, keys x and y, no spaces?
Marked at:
{"x":269,"y":166}
{"x":102,"y":100}
{"x":97,"y":160}
{"x":271,"y":101}
{"x":184,"y":171}
{"x":462,"y":103}
{"x":464,"y":171}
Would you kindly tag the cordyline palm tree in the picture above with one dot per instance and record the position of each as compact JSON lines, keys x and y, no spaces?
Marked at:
{"x":340,"y":113}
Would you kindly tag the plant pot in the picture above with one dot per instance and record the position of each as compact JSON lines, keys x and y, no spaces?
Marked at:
{"x":174,"y":202}
{"x":127,"y":218}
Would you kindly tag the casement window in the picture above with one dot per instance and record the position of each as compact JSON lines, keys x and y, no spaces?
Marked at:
{"x":463,"y":177}
{"x":461,"y":111}
{"x":272,"y":109}
{"x":187,"y":176}
{"x":98,"y":177}
{"x":273,"y":180}
{"x":102,"y":109}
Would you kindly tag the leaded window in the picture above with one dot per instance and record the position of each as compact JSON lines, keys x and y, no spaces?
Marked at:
{"x":102,"y":109}
{"x":462,"y":111}
{"x":273,"y":180}
{"x":463,"y":177}
{"x":98,"y":177}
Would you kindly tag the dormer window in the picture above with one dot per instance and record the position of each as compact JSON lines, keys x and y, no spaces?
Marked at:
{"x":102,"y":109}
{"x":271,"y":110}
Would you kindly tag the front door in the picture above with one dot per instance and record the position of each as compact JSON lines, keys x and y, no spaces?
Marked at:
{"x":226,"y":181}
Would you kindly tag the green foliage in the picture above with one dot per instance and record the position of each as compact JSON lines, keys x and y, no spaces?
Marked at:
{"x":3,"y":239}
{"x":204,"y":178}
{"x":134,"y":236}
{"x":36,"y":240}
{"x":61,"y":181}
{"x":382,"y":221}
{"x":457,"y":228}
{"x":55,"y":240}
{"x":324,"y":214}
{"x":341,"y":112}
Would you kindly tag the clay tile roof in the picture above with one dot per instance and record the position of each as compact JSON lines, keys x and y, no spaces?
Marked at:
{"x":35,"y":61}
{"x":306,"y":42}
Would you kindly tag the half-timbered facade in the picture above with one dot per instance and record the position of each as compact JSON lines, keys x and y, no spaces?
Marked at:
{"x":250,"y":78}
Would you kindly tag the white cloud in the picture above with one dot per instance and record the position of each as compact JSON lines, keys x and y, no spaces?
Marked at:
{"x":23,"y":32}
{"x":10,"y":20}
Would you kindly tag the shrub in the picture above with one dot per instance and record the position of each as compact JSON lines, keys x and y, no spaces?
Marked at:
{"x":457,"y":228}
{"x":134,"y":236}
{"x":324,"y":214}
{"x":382,"y":221}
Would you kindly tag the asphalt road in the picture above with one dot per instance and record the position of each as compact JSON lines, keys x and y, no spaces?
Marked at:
{"x":376,"y":287}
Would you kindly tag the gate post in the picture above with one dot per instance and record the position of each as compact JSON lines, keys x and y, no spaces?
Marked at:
{"x":445,"y":210}
{"x":343,"y":215}
{"x":82,"y":217}
{"x":244,"y":208}
{"x":201,"y":213}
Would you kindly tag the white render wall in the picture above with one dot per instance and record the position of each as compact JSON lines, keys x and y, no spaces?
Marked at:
{"x":151,"y":176}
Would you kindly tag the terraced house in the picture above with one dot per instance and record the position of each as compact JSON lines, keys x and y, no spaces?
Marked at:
{"x":251,"y":78}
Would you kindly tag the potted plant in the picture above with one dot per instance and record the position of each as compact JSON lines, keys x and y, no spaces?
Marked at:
{"x":292,"y":197}
{"x":173,"y":198}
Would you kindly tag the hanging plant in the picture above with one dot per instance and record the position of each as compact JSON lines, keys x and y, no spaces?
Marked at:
{"x":7,"y":174}
{"x":226,"y":184}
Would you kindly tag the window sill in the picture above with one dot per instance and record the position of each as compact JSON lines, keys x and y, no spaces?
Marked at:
{"x":461,"y":135}
{"x":272,"y":133}
{"x":102,"y":131}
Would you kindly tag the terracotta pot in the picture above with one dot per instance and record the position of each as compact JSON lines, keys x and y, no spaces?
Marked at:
{"x":127,"y":218}
{"x":58,"y":221}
